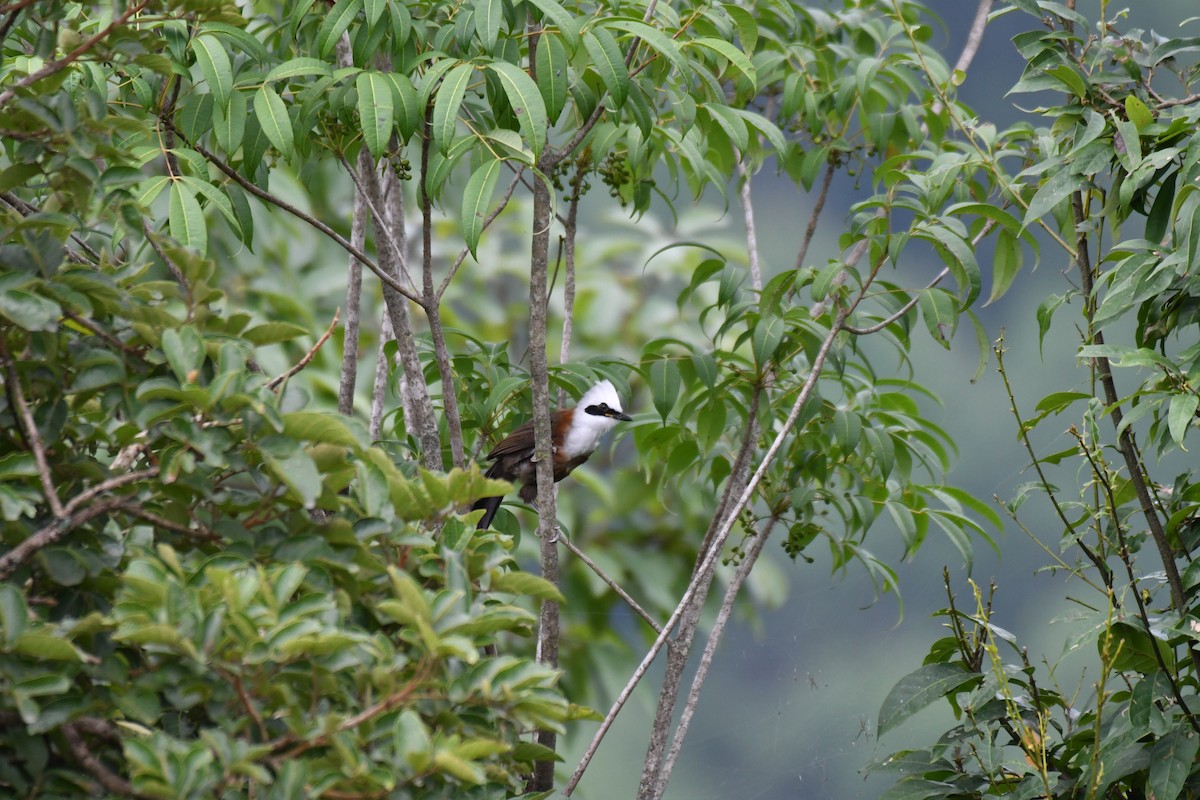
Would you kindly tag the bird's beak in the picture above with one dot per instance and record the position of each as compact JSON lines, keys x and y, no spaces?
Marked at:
{"x":621,"y":416}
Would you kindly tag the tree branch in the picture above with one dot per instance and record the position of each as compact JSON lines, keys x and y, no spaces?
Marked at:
{"x":73,"y":734}
{"x":749,"y":559}
{"x":542,"y":779}
{"x":72,"y":517}
{"x":351,"y":334}
{"x":54,"y":66}
{"x":33,"y":438}
{"x":278,"y":380}
{"x":1125,"y":440}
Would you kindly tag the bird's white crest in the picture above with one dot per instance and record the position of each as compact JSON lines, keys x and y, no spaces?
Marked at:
{"x":586,"y":429}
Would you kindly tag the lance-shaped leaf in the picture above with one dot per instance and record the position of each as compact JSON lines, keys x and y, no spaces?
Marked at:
{"x":215,"y":66}
{"x":736,"y":58}
{"x":185,"y":218}
{"x":608,"y":61}
{"x":526,"y":102}
{"x":273,"y":117}
{"x":477,"y":197}
{"x":335,"y":24}
{"x":658,"y":41}
{"x":552,"y":74}
{"x":489,"y":17}
{"x":917,"y":690}
{"x":447,"y":104}
{"x":375,"y":111}
{"x":665,"y":382}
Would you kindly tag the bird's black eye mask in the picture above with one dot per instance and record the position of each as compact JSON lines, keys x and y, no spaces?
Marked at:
{"x":601,"y":410}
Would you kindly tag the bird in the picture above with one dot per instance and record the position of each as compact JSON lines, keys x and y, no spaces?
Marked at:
{"x":574,"y":434}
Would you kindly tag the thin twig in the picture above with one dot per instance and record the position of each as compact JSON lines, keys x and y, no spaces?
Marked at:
{"x":612,"y":584}
{"x":751,"y":233}
{"x":275,"y":382}
{"x":811,"y":229}
{"x":29,"y":428}
{"x":172,"y":267}
{"x":92,"y":765}
{"x":383,"y":230}
{"x":1023,"y":433}
{"x":201,"y":533}
{"x":54,"y":66}
{"x":749,"y":558}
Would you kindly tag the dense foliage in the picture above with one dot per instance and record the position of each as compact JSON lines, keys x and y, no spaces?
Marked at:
{"x":1114,"y":177}
{"x":236,"y":566}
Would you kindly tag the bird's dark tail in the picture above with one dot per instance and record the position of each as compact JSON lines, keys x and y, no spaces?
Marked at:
{"x":490,"y":505}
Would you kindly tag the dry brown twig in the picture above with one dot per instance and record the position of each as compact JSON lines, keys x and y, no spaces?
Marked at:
{"x":275,"y":382}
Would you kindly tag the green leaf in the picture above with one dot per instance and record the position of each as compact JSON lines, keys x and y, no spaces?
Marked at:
{"x":242,"y":213}
{"x":18,"y":175}
{"x":524,"y":583}
{"x":940,"y":312}
{"x":300,"y":67}
{"x":1171,"y":760}
{"x":375,"y":111}
{"x":273,"y":333}
{"x":1181,"y":414}
{"x":746,"y":24}
{"x":1071,"y":79}
{"x":1056,"y":189}
{"x":336,"y":21}
{"x":477,"y":199}
{"x":609,"y":63}
{"x":215,"y":66}
{"x":665,"y":382}
{"x":736,"y":58}
{"x":552,"y":74}
{"x":445,"y":107}
{"x":185,"y":352}
{"x":658,"y":41}
{"x":298,"y":473}
{"x":406,"y":108}
{"x":1134,"y":648}
{"x":46,"y":646}
{"x":14,"y":615}
{"x":555,"y":13}
{"x":1005,"y":265}
{"x":229,"y":123}
{"x":321,"y":427}
{"x":526,"y":101}
{"x":1160,"y":213}
{"x":959,"y":256}
{"x":917,"y":690}
{"x":186,"y":219}
{"x":273,"y":117}
{"x":29,"y":311}
{"x":489,"y":17}
{"x":374,"y":9}
{"x":768,"y":333}
{"x":1138,"y":112}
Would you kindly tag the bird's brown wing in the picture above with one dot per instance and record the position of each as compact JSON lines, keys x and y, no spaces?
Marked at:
{"x":519,"y":441}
